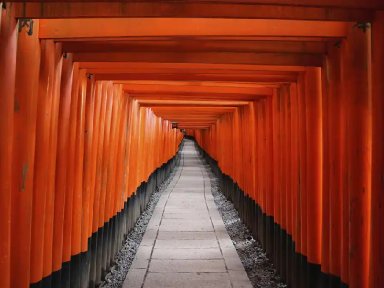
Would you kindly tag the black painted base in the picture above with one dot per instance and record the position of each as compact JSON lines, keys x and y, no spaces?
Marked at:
{"x":89,"y":268}
{"x":293,"y":267}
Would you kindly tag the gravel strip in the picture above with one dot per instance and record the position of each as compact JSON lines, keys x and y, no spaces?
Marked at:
{"x":124,"y":258}
{"x":259,"y":268}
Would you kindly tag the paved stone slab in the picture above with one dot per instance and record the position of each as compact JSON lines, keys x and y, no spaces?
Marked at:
{"x":177,"y":235}
{"x":202,"y":266}
{"x":187,"y":280}
{"x":186,"y":243}
{"x":135,"y":278}
{"x":187,"y":254}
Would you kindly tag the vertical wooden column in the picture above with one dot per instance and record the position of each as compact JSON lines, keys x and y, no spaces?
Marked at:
{"x":294,"y":175}
{"x":313,"y":95}
{"x":270,"y":201}
{"x":70,"y":179}
{"x":62,"y":166}
{"x":8,"y":49}
{"x":377,"y":208}
{"x":334,"y":167}
{"x":41,"y":190}
{"x":90,"y":142}
{"x":57,"y":61}
{"x":356,"y":87}
{"x":269,"y":165}
{"x":26,"y":95}
{"x":77,"y":197}
{"x":276,"y":170}
{"x":302,"y":220}
{"x":327,"y":147}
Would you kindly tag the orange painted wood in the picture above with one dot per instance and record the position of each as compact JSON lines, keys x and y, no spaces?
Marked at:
{"x":105,"y":155}
{"x":89,"y":163}
{"x":26,"y":97}
{"x":276,"y":142}
{"x":344,"y":275}
{"x":123,"y":27}
{"x":357,"y":87}
{"x":77,"y":199}
{"x":101,"y":101}
{"x":278,"y":59}
{"x":294,"y":175}
{"x":318,"y":3}
{"x":8,"y":51}
{"x":270,"y":201}
{"x":54,"y":88}
{"x":70,"y":181}
{"x":314,"y":187}
{"x":377,"y":200}
{"x":302,"y":197}
{"x":326,"y":172}
{"x":334,"y":127}
{"x":62,"y":162}
{"x":184,"y":9}
{"x":288,"y":154}
{"x":42,"y":196}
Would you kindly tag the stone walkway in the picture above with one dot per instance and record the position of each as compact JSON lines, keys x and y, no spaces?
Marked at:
{"x":186,"y":243}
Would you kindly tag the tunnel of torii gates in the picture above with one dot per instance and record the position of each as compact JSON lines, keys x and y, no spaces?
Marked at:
{"x":285,"y":97}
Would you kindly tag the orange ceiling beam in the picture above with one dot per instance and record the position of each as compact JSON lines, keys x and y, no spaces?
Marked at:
{"x":126,"y":27}
{"x":186,"y":103}
{"x":202,"y":38}
{"x":249,"y":77}
{"x":155,"y":88}
{"x":248,"y":10}
{"x":135,"y":66}
{"x":197,"y":109}
{"x":197,"y":96}
{"x":314,"y":3}
{"x":192,"y":83}
{"x":279,"y":59}
{"x":177,"y":44}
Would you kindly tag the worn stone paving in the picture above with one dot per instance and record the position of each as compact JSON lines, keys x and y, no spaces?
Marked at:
{"x":186,"y":243}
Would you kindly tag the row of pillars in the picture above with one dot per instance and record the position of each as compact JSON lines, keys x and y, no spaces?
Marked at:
{"x":312,"y":157}
{"x":72,"y":151}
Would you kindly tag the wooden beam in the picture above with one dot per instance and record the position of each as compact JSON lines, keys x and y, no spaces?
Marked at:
{"x":189,"y":88}
{"x":131,"y":27}
{"x":199,"y":96}
{"x":121,"y":9}
{"x":186,"y":44}
{"x":188,"y":103}
{"x":267,"y":78}
{"x":136,"y":66}
{"x":279,"y":59}
{"x":197,"y":109}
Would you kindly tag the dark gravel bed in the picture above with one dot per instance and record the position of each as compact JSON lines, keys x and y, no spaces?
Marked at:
{"x":259,"y":268}
{"x":124,"y":258}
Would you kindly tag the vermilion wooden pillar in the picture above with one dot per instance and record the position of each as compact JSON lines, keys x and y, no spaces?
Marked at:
{"x":68,"y":210}
{"x":357,"y":93}
{"x":294,"y":159}
{"x":42,"y":161}
{"x":313,"y":96}
{"x":8,"y":49}
{"x":302,"y":197}
{"x":26,"y":96}
{"x":56,"y":66}
{"x":377,"y":231}
{"x":89,"y":164}
{"x":334,"y":167}
{"x":326,"y":146}
{"x":62,"y":163}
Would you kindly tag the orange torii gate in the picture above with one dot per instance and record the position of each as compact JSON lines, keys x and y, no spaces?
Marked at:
{"x":285,"y":97}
